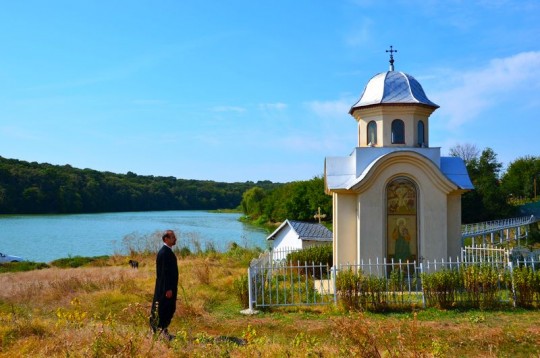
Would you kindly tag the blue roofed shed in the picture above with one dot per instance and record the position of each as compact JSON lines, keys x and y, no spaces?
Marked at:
{"x":295,"y":235}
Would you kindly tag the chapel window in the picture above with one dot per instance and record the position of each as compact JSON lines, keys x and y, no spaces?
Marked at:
{"x":398,"y":132}
{"x":372,"y":133}
{"x":421,"y":136}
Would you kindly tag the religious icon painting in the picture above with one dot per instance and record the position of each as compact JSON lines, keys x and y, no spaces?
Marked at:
{"x":401,"y":230}
{"x":401,"y":197}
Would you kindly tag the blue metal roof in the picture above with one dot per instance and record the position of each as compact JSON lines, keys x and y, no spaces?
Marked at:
{"x":454,"y":168}
{"x":311,"y":231}
{"x":306,"y":231}
{"x":341,"y":173}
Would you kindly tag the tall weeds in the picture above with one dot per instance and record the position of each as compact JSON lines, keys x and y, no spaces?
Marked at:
{"x":52,"y":285}
{"x":526,"y":282}
{"x":441,"y":288}
{"x":474,"y":286}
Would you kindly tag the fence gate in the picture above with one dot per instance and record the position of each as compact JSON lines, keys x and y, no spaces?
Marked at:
{"x":274,"y":281}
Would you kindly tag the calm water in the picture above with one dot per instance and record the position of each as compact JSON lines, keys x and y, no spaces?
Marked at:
{"x":43,"y":238}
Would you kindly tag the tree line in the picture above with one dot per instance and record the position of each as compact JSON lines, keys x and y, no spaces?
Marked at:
{"x":38,"y":188}
{"x":495,"y":190}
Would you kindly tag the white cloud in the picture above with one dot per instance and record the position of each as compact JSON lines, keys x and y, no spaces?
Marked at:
{"x":278,"y":106}
{"x":330,"y":109}
{"x":504,"y":79}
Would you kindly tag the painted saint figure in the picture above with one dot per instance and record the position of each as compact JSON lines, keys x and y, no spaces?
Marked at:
{"x":402,"y":240}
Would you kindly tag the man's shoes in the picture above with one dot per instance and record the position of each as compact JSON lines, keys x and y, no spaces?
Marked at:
{"x":167,"y":335}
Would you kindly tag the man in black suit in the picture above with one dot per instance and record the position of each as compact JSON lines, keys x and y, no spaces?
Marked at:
{"x":164,"y":302}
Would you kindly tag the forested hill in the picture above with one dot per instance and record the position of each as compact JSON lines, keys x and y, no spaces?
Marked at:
{"x":32,"y":188}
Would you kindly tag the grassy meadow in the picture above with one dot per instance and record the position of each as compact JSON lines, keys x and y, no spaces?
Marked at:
{"x":101,"y":309}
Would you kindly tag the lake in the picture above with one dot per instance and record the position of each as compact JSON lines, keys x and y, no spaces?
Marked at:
{"x":43,"y":238}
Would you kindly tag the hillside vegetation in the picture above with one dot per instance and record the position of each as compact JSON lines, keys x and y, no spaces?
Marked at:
{"x":101,"y":309}
{"x":34,"y":188}
{"x":31,"y":188}
{"x":299,"y":200}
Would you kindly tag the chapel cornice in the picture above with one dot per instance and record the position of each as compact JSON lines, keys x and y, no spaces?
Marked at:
{"x":393,"y":160}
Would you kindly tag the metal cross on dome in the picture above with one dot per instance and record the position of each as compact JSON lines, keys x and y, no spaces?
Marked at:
{"x":391,"y":57}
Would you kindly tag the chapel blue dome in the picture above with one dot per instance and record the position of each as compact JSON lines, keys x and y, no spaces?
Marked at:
{"x":393,"y":87}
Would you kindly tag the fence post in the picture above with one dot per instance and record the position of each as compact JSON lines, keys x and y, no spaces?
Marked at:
{"x":334,"y":284}
{"x":510,"y":266}
{"x":250,"y":294}
{"x":422,"y":285}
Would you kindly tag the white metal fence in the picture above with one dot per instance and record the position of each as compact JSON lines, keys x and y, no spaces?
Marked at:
{"x":275,"y":281}
{"x":485,"y":253}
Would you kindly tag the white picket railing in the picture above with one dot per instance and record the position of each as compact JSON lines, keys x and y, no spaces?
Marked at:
{"x":487,"y":227}
{"x":274,"y":281}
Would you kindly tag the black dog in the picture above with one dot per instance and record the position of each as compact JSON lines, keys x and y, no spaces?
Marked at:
{"x":134,"y":264}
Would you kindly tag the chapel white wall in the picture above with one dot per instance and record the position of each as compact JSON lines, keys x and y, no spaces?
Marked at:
{"x":454,"y":225}
{"x":344,"y":228}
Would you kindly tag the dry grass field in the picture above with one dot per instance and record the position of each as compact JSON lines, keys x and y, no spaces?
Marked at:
{"x":101,"y":310}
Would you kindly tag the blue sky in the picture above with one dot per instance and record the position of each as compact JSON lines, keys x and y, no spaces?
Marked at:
{"x":254,"y":90}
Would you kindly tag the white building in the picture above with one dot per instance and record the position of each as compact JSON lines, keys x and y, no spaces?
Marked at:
{"x":394,"y":196}
{"x":296,"y":235}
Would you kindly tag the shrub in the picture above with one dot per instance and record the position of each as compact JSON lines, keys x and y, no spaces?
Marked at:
{"x":22,"y":266}
{"x":373,"y":293}
{"x":317,"y":254}
{"x":440,"y":287}
{"x":348,"y":288}
{"x":78,"y":261}
{"x":358,"y":291}
{"x":241,"y":254}
{"x":320,"y":254}
{"x":481,"y":284}
{"x":184,"y":252}
{"x":526,"y":284}
{"x":475,"y":286}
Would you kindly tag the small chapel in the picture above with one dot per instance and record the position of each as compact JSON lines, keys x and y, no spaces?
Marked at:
{"x":394,"y":197}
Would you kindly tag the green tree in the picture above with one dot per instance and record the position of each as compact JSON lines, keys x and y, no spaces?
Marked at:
{"x":34,"y":197}
{"x":297,"y":200}
{"x":487,"y":201}
{"x":522,"y":178}
{"x":252,"y":202}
